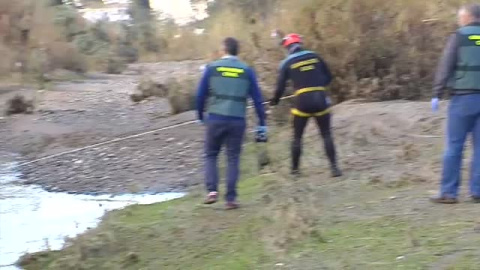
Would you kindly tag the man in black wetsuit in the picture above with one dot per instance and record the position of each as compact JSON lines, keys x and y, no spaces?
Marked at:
{"x":310,"y":76}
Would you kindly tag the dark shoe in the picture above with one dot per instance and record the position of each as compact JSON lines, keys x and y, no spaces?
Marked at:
{"x":443,"y":200}
{"x":336,"y":172}
{"x":231,"y":206}
{"x":475,"y":199}
{"x":212,"y":198}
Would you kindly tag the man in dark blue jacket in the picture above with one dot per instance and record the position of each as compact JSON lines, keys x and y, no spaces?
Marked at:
{"x":227,"y":84}
{"x":310,"y":76}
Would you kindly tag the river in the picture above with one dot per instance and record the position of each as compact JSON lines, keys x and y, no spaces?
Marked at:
{"x":33,"y":220}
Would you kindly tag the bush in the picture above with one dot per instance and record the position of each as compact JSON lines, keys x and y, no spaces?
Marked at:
{"x":181,"y":95}
{"x":115,"y":65}
{"x":19,"y":104}
{"x":109,"y":62}
{"x":128,"y":53}
{"x":149,"y":88}
{"x":8,"y":61}
{"x":66,"y":56}
{"x":89,"y":45}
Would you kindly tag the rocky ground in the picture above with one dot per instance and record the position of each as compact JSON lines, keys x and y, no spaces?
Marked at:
{"x":76,"y":114}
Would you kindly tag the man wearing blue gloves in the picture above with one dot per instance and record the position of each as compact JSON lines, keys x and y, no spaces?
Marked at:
{"x":459,"y":69}
{"x":227,"y":84}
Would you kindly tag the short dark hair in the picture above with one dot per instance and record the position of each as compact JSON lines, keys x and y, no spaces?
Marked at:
{"x":231,"y":46}
{"x":474,"y":10}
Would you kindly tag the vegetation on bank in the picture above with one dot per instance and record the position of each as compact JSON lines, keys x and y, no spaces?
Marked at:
{"x":40,"y":36}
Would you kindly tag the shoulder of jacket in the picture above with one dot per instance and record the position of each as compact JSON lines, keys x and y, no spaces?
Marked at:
{"x":215,"y":63}
{"x":243,"y":64}
{"x":293,"y":56}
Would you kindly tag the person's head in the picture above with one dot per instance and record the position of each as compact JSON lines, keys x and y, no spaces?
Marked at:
{"x":291,"y":40}
{"x":231,"y":46}
{"x":469,"y":14}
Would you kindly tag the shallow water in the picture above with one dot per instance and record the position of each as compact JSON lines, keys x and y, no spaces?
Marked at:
{"x":32,"y":219}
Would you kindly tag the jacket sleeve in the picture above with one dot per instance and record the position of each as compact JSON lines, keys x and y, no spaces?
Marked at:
{"x":256,"y":96}
{"x":446,"y":67}
{"x":202,"y":93}
{"x":281,"y":83}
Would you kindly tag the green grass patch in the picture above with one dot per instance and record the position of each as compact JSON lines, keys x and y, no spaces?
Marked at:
{"x":382,"y":243}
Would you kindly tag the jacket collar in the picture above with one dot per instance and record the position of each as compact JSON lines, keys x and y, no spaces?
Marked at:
{"x":474,"y":24}
{"x":295,"y":48}
{"x":230,"y":57}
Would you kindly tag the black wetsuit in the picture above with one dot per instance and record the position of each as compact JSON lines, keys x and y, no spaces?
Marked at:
{"x":310,"y":75}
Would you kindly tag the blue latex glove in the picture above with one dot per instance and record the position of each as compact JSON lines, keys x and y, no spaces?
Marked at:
{"x":329,"y":101}
{"x":261,"y":134}
{"x":435,"y":104}
{"x":200,"y":122}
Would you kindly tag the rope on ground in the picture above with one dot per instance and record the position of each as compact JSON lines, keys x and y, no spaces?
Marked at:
{"x":108,"y":142}
{"x":120,"y":139}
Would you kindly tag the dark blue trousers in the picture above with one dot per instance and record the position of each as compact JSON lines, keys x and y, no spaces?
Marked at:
{"x":463,"y":119}
{"x":231,"y":134}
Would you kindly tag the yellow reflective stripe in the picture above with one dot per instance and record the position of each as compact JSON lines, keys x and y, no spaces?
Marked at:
{"x":327,"y":111}
{"x":303,"y":114}
{"x":231,"y":70}
{"x":309,"y":89}
{"x":474,"y":37}
{"x":230,"y":74}
{"x":299,"y":113}
{"x":307,"y":68}
{"x":304,"y":63}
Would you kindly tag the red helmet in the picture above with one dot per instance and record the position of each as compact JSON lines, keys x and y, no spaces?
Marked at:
{"x":291,"y":39}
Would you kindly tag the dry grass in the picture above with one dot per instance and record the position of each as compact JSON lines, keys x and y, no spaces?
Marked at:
{"x":149,"y":88}
{"x":181,"y":95}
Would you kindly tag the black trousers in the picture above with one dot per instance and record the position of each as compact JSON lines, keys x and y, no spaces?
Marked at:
{"x":324,"y":126}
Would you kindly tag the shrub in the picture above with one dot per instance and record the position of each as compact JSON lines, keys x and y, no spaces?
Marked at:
{"x":181,"y":95}
{"x":128,"y":53}
{"x":149,"y":88}
{"x":19,"y":104}
{"x":66,"y":56}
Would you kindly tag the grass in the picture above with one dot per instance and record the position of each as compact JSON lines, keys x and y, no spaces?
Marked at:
{"x":284,"y":223}
{"x":382,"y":243}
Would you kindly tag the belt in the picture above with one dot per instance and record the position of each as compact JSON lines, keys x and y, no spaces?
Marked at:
{"x":299,"y":113}
{"x":309,"y":89}
{"x":464,"y":92}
